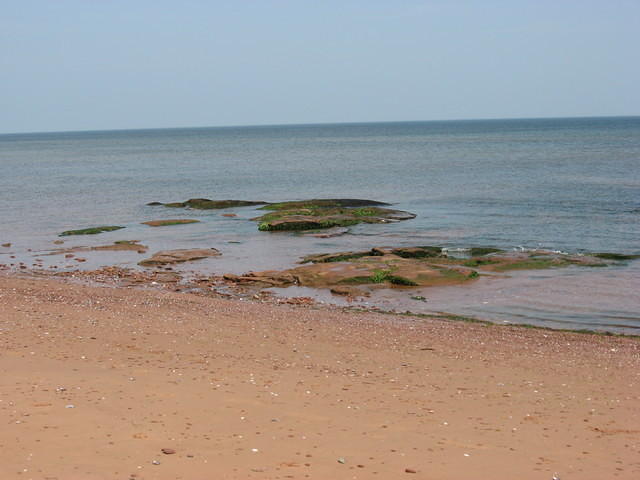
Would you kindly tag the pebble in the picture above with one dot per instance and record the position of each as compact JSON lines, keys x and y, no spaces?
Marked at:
{"x":342,"y":460}
{"x":168,"y":451}
{"x":156,"y":462}
{"x":409,"y":470}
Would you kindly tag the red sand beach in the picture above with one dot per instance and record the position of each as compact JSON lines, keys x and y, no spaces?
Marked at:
{"x":95,"y":382}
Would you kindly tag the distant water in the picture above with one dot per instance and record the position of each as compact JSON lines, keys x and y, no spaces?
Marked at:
{"x":561,"y":184}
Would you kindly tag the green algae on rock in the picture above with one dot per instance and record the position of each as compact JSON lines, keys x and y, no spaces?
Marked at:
{"x":404,"y":252}
{"x":532,"y":260}
{"x":372,"y":267}
{"x":326,"y":213}
{"x":324,"y":203}
{"x":421,"y":266}
{"x":91,"y":231}
{"x":206,"y":204}
{"x":615,"y":256}
{"x":478,"y":251}
{"x":165,"y":223}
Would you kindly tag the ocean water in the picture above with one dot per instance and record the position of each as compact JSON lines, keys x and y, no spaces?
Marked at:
{"x":562,"y":184}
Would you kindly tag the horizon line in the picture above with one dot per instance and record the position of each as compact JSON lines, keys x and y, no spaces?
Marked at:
{"x":313,"y":124}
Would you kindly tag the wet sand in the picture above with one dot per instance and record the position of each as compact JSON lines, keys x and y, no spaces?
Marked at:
{"x":96,"y":381}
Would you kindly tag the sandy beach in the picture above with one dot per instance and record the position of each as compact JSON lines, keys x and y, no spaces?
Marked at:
{"x":96,"y":381}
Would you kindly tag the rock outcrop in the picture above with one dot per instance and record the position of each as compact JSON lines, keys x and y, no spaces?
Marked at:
{"x":206,"y":204}
{"x":167,"y":257}
{"x":326,"y":213}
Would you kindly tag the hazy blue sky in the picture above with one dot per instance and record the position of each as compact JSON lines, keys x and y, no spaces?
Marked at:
{"x":81,"y":65}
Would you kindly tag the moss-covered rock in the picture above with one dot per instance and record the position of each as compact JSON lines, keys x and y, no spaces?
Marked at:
{"x":615,"y":256}
{"x":323,"y":214}
{"x":363,"y":268}
{"x":324,"y":203}
{"x":164,"y":223}
{"x":91,"y":231}
{"x":532,"y":260}
{"x":406,"y":267}
{"x":478,"y":251}
{"x":410,"y":252}
{"x":206,"y":204}
{"x":334,"y":257}
{"x":404,"y":252}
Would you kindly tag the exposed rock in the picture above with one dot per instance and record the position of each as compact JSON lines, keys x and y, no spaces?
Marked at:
{"x":410,"y":252}
{"x":91,"y":231}
{"x":324,"y":203}
{"x":363,"y":270}
{"x":167,"y":277}
{"x":404,"y":267}
{"x":122,"y":245}
{"x":309,"y":216}
{"x":206,"y":204}
{"x":478,"y":251}
{"x":615,"y":256}
{"x":334,"y":257}
{"x":268,"y":277}
{"x":6,"y":245}
{"x":328,"y":233}
{"x":404,"y":252}
{"x":348,"y":291}
{"x":164,"y":223}
{"x":529,"y":260}
{"x":178,"y":256}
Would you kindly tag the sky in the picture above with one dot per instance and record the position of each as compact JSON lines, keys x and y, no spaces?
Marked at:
{"x":94,"y":65}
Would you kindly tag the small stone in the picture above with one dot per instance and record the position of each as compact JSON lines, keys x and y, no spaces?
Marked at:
{"x":409,"y":470}
{"x":342,"y":460}
{"x":70,"y":406}
{"x":6,"y":245}
{"x":168,"y":451}
{"x":156,"y":462}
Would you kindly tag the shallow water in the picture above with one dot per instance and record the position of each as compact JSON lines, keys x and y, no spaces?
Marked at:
{"x":561,"y":184}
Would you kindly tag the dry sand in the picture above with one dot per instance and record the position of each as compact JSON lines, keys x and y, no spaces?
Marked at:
{"x":96,"y":381}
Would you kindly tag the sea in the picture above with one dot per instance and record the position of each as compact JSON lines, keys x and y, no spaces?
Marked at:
{"x":562,"y":184}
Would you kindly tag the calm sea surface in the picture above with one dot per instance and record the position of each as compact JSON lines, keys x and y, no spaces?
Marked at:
{"x":561,"y":184}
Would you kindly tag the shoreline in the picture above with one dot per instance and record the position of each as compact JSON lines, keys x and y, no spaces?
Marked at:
{"x":98,"y":380}
{"x":195,"y":282}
